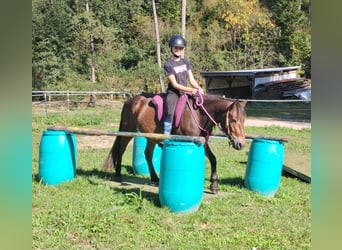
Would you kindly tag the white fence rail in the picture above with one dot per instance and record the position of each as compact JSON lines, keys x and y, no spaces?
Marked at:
{"x":61,"y":101}
{"x":49,"y":93}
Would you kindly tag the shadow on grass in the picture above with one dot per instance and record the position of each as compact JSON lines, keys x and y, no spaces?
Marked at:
{"x":36,"y":178}
{"x":103,"y":174}
{"x":235,"y":181}
{"x":87,"y":173}
{"x":94,"y":172}
{"x":140,"y":185}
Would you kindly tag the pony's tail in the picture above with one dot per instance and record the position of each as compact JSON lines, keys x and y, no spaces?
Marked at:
{"x":111,"y":159}
{"x":114,"y":153}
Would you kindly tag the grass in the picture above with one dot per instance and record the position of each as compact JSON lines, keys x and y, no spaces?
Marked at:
{"x":90,"y":212}
{"x":295,"y":111}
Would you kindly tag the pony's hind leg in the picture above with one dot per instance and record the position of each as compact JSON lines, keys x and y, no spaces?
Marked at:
{"x":213,"y":176}
{"x":148,"y":156}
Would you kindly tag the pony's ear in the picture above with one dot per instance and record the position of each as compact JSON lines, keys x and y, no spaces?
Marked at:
{"x":243,"y":103}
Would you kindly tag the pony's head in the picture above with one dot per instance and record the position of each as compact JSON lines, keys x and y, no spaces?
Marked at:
{"x":234,"y":127}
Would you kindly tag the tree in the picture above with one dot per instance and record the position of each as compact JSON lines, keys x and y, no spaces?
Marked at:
{"x":220,"y":34}
{"x":53,"y":48}
{"x":252,"y":34}
{"x":294,"y":44}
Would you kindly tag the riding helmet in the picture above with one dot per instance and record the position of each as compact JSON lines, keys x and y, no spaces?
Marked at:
{"x":177,"y":41}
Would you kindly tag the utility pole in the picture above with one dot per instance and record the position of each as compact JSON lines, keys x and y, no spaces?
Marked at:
{"x":183,"y":19}
{"x":155,"y":17}
{"x":92,"y":48}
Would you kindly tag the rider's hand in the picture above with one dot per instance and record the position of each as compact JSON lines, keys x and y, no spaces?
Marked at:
{"x":194,"y":91}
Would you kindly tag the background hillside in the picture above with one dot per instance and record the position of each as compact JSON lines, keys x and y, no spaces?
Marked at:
{"x":118,"y":39}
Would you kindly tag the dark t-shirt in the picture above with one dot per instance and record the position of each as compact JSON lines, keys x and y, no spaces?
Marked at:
{"x":179,"y":69}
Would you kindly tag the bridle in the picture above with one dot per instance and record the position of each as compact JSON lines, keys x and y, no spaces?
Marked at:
{"x":231,"y":139}
{"x":199,"y":100}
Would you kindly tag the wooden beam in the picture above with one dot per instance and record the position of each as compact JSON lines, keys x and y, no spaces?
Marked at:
{"x":152,"y":136}
{"x":251,"y":137}
{"x":297,"y":174}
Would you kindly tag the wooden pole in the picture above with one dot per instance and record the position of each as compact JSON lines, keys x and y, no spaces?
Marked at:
{"x":157,"y":137}
{"x":92,"y":48}
{"x":251,"y":137}
{"x":156,"y":29}
{"x":183,"y":21}
{"x":153,"y":136}
{"x":294,"y":172}
{"x":183,"y":17}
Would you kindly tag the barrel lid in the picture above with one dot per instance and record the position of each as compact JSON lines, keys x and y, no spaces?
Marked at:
{"x":178,"y":143}
{"x":265,"y":140}
{"x":53,"y":132}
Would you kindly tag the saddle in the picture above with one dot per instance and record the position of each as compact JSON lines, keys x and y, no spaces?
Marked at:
{"x":158,"y":101}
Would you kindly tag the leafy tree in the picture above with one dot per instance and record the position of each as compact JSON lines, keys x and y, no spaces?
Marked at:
{"x":252,"y":34}
{"x":169,"y":11}
{"x":52,"y":42}
{"x":295,"y":40}
{"x":220,"y":34}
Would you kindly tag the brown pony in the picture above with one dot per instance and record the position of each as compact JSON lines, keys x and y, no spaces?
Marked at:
{"x":139,"y":114}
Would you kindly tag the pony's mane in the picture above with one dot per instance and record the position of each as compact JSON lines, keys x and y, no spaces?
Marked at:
{"x":219,"y":98}
{"x":212,"y":97}
{"x":241,"y":110}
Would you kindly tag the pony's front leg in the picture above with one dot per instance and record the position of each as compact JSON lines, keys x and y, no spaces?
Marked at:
{"x":213,"y":176}
{"x":149,"y":155}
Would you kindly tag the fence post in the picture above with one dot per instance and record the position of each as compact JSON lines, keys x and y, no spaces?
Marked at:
{"x":45,"y":105}
{"x":68,"y":100}
{"x":92,"y":100}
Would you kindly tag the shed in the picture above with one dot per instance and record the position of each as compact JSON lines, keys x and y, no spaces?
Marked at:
{"x":246,"y":83}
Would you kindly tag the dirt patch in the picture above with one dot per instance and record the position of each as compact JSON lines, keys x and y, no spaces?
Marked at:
{"x":273,"y":122}
{"x":94,"y":142}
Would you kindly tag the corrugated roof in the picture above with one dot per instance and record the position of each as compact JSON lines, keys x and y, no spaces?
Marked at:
{"x":249,"y":72}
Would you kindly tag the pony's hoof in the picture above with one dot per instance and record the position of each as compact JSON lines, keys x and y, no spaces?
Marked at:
{"x":155,"y":183}
{"x":214,"y":189}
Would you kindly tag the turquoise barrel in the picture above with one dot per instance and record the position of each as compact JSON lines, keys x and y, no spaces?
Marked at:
{"x":57,"y":157}
{"x":139,"y":163}
{"x":182,"y":170}
{"x":264,"y":166}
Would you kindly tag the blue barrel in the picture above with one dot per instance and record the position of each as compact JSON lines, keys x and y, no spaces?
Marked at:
{"x":182,"y":170}
{"x":264,"y":166}
{"x":140,"y":166}
{"x":57,"y":157}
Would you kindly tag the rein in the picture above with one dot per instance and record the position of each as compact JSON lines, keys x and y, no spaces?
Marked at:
{"x":199,"y":102}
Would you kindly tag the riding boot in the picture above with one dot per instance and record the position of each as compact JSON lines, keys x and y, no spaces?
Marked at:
{"x":167,"y":127}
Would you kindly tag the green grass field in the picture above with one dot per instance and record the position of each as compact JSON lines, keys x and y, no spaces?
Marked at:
{"x":294,"y":111}
{"x":93,"y":212}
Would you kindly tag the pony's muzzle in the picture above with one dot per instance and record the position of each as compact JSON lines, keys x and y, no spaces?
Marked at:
{"x":236,"y":144}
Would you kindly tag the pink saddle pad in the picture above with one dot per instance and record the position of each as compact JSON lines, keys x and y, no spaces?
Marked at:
{"x":158,"y":101}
